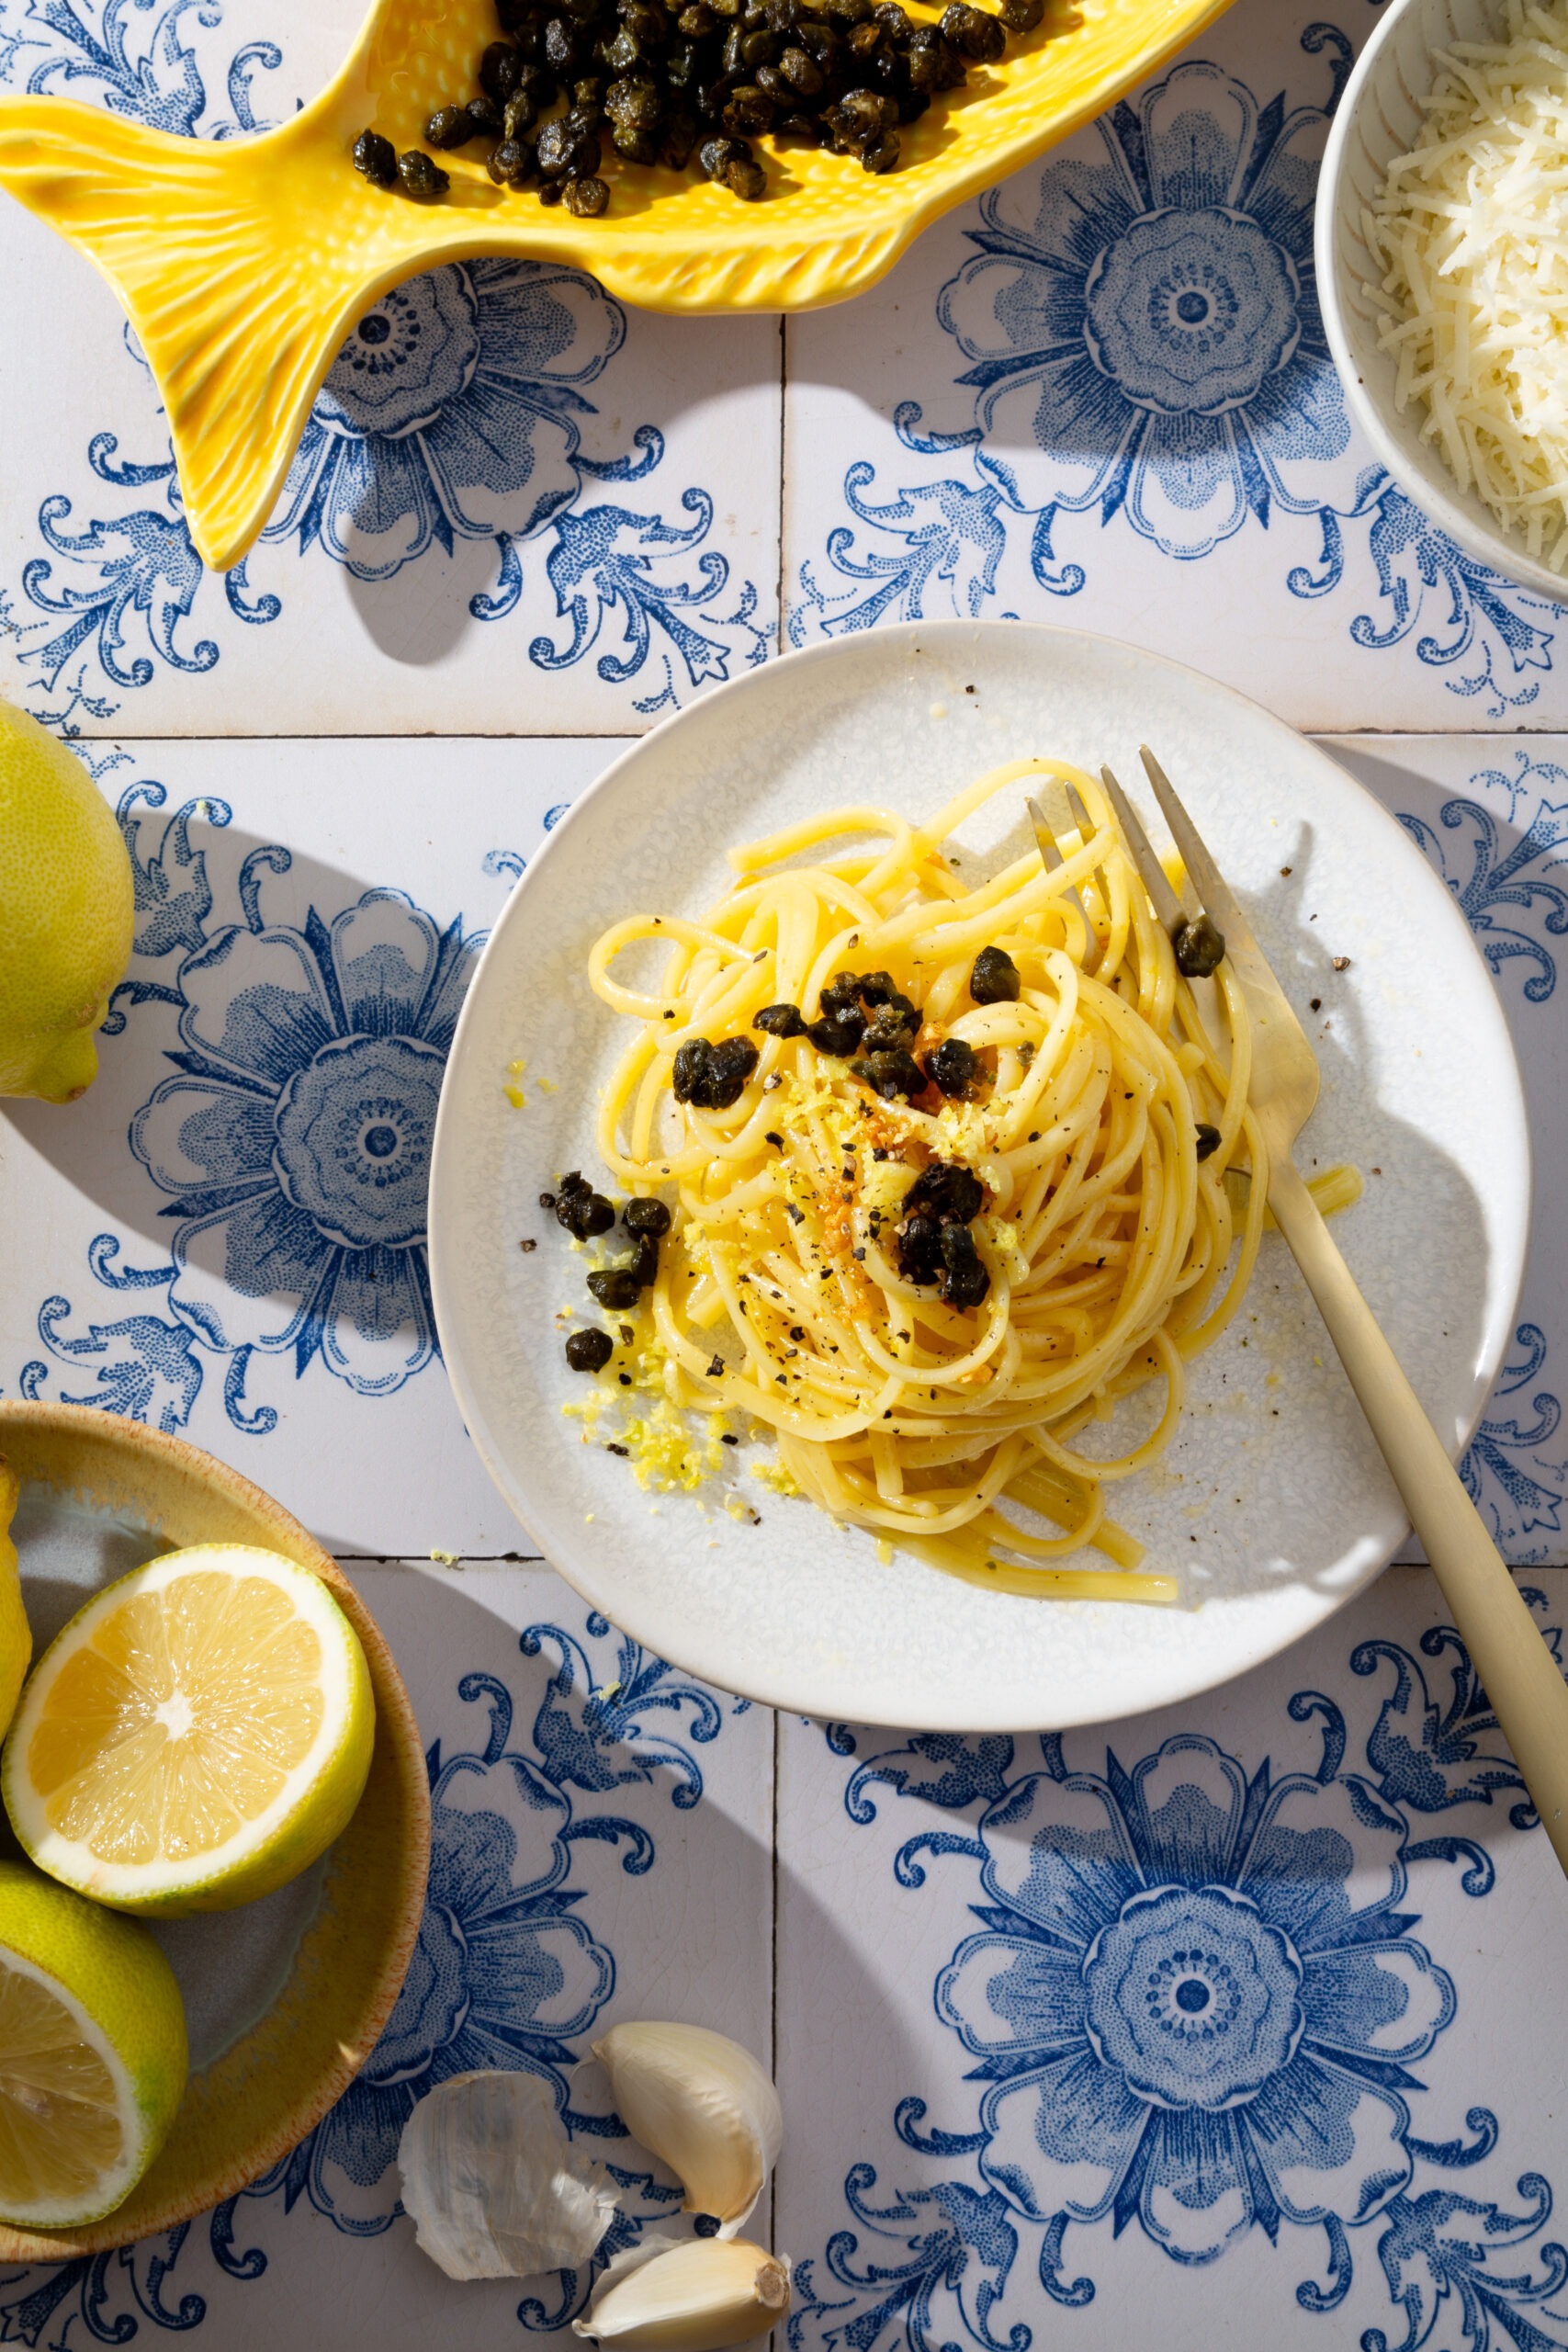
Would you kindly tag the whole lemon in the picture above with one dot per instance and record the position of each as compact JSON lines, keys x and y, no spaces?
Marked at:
{"x":67,"y":911}
{"x":15,"y":1635}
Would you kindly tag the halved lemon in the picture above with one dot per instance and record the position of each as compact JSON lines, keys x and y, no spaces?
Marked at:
{"x":195,"y":1736}
{"x":92,"y":2053}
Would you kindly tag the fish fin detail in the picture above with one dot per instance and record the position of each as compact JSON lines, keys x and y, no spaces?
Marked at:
{"x":238,"y":300}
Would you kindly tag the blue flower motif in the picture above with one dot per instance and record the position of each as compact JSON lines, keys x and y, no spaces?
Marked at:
{"x":1505,"y":1471}
{"x":146,"y":1368}
{"x":1428,"y":1755}
{"x":450,"y":412}
{"x":295,"y":1140}
{"x":603,"y":560}
{"x":505,"y":1973}
{"x":1144,"y":330}
{"x":1495,"y":885}
{"x":1485,"y":614}
{"x":958,"y":2252}
{"x":953,"y":540}
{"x":1435,"y":2255}
{"x":85,"y":51}
{"x":1182,"y":2013}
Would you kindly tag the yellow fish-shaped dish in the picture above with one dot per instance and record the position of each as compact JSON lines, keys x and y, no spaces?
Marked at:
{"x":243,"y":264}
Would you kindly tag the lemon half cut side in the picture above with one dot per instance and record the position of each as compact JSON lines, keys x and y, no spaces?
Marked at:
{"x":195,"y":1736}
{"x":92,"y":2053}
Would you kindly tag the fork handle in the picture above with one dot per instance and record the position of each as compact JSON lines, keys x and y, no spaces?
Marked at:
{"x":1522,"y":1679}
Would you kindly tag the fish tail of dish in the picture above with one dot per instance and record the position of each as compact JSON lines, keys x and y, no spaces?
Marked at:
{"x":218,"y":264}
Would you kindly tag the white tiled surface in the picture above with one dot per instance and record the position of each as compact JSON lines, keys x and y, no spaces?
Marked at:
{"x":1248,"y":531}
{"x":752,"y":1871}
{"x":905,"y":1968}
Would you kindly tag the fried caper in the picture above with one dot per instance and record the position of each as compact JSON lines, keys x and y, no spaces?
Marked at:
{"x":891,"y":1074}
{"x":994,"y":980}
{"x":420,"y":176}
{"x":615,"y":1287}
{"x":779,"y":1020}
{"x":846,"y":75}
{"x":1200,"y":948}
{"x":964,"y":1281}
{"x":376,"y":158}
{"x":951,"y":1068}
{"x":647,"y":1216}
{"x":712,"y":1078}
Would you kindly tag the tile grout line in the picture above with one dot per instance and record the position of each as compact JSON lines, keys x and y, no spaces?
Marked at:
{"x":1313,"y":732}
{"x":784,"y":430}
{"x":773,"y":1984}
{"x":537,"y":1560}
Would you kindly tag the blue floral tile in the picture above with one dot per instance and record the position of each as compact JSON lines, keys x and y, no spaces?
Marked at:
{"x":1492,"y":820}
{"x":516,"y":503}
{"x":598,"y":1819}
{"x":1101,"y":395}
{"x":1216,"y":2026}
{"x":237,"y":1247}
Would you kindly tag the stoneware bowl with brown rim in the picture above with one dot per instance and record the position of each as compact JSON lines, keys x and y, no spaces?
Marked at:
{"x":284,"y":1999}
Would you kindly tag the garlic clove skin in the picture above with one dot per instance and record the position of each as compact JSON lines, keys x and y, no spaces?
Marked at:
{"x":701,"y":2296}
{"x":494,"y":2187}
{"x":703,"y":2106}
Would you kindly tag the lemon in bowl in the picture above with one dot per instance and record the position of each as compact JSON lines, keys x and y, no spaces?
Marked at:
{"x":285,"y":1998}
{"x":196,"y":1736}
{"x":92,"y":2054}
{"x":67,"y":912}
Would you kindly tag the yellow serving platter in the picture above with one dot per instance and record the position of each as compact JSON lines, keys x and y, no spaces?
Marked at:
{"x":242,"y":265}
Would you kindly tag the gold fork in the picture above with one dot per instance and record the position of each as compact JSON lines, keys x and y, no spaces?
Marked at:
{"x":1523,"y":1682}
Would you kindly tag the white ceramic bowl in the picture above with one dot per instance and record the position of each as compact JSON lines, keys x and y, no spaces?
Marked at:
{"x":1271,"y":1505}
{"x":1380,"y":117}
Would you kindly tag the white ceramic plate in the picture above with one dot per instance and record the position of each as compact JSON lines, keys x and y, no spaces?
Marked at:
{"x":1272,"y":1504}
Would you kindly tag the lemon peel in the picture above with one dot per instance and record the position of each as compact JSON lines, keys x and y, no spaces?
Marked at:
{"x":16,"y":1635}
{"x":92,"y":2054}
{"x":67,"y":912}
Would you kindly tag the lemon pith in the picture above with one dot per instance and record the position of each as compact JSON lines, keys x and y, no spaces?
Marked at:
{"x":92,"y":2054}
{"x":198,"y":1733}
{"x":67,"y":912}
{"x":16,"y":1635}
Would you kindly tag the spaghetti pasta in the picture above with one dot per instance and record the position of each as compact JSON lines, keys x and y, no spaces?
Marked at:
{"x":935,"y":1386}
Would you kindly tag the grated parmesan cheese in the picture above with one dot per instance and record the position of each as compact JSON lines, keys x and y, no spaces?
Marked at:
{"x":1472,"y":231}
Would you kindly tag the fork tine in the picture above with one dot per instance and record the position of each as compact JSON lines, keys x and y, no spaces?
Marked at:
{"x":1045,"y":830}
{"x":1162,"y":897}
{"x":1278,"y":1034}
{"x":1086,"y":828}
{"x":1209,"y":882}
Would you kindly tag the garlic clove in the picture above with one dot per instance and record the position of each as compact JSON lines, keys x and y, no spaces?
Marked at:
{"x":703,"y":2106}
{"x":699,"y":2296}
{"x":495,"y":2187}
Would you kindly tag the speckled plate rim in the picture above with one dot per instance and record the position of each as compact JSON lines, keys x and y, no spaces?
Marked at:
{"x":117,"y":1466}
{"x":603,"y":1581}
